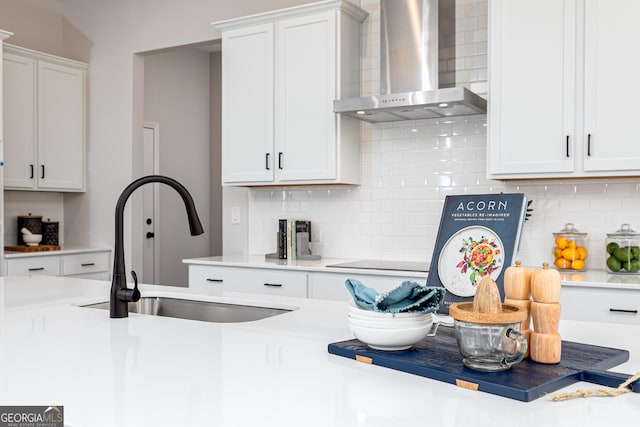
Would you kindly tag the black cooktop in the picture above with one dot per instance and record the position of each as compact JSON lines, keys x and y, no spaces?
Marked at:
{"x":372,"y":264}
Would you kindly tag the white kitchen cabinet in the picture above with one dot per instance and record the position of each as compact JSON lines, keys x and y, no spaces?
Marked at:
{"x":250,"y":280}
{"x":93,"y":264}
{"x":44,"y":112}
{"x":561,"y":97}
{"x":48,"y":266}
{"x":597,"y":304}
{"x":282,"y":71}
{"x":86,"y":264}
{"x":247,"y":115}
{"x":331,"y":286}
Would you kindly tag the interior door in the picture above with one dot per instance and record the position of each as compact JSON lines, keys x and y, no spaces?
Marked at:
{"x":150,"y":246}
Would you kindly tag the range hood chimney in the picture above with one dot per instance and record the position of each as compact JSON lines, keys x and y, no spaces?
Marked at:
{"x":417,"y":43}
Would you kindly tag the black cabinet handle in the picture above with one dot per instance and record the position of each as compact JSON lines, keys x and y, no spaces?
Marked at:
{"x":568,"y":146}
{"x":589,"y":145}
{"x":215,"y":280}
{"x":622,"y":310}
{"x":266,"y":165}
{"x":150,"y":235}
{"x":37,"y":269}
{"x":274,"y":285}
{"x":42,"y":166}
{"x":87,"y":264}
{"x":280,"y":160}
{"x":31,"y":167}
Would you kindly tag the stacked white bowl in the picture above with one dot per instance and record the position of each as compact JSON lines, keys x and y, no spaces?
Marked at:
{"x":388,"y":331}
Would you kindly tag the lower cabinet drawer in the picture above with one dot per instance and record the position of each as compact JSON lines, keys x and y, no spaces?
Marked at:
{"x":45,"y":265}
{"x":83,"y":263}
{"x":600,"y":304}
{"x":251,"y":280}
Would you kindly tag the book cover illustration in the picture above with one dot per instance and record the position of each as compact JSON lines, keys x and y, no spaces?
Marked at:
{"x":478,"y":237}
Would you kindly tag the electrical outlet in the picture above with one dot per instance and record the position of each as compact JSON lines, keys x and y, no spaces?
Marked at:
{"x":235,"y":215}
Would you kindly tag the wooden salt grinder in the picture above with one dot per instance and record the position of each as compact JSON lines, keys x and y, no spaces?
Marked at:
{"x":545,"y":341}
{"x":517,"y":291}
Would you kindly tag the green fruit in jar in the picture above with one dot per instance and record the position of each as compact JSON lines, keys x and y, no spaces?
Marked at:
{"x":634,"y":266}
{"x":623,"y":254}
{"x":611,"y":247}
{"x":635,"y":251}
{"x":613,"y":264}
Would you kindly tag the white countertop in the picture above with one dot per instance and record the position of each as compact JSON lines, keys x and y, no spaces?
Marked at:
{"x":155,"y":371}
{"x":321,"y":265}
{"x":593,"y":278}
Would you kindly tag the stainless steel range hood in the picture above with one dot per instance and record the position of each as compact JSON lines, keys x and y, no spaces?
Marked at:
{"x":417,"y":66}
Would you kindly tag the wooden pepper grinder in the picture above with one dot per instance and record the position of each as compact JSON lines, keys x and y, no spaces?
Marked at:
{"x":546,"y":345}
{"x":517,"y":292}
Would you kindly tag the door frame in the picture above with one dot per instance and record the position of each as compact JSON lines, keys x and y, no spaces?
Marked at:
{"x":155,"y":128}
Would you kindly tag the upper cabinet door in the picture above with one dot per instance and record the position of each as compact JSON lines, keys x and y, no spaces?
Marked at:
{"x":532,"y":64}
{"x":19,"y":121}
{"x":45,"y":121}
{"x":306,"y":88}
{"x":248,"y":105}
{"x":282,"y":70}
{"x":61,"y":127}
{"x":612,"y":140}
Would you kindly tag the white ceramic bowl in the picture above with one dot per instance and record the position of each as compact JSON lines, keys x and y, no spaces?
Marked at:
{"x":354,"y":309}
{"x":32,"y":239}
{"x":390,"y":339}
{"x":390,"y":323}
{"x":414,"y":319}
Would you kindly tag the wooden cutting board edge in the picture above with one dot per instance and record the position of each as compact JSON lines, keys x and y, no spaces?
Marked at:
{"x":39,"y":248}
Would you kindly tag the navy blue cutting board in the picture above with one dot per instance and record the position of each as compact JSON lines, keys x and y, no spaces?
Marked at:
{"x":438,"y":358}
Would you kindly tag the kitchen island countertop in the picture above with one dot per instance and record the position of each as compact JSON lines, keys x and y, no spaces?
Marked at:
{"x":155,"y":371}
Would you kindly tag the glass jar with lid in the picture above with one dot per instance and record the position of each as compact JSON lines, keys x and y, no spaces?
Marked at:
{"x":570,"y":249}
{"x":623,"y":251}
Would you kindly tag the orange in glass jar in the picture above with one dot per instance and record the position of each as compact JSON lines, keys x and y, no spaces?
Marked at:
{"x":569,"y":254}
{"x":577,"y":264}
{"x":582,"y":252}
{"x":561,"y":242}
{"x":562,"y":263}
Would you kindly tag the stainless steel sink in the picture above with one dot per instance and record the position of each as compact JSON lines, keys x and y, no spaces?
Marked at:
{"x":207,"y":311}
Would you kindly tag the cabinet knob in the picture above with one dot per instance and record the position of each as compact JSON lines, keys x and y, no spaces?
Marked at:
{"x":150,"y":235}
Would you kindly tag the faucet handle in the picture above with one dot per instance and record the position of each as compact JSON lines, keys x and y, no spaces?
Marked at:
{"x":130,"y":295}
{"x":135,"y":291}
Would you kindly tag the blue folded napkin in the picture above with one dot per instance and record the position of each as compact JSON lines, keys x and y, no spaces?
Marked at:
{"x":408,"y":297}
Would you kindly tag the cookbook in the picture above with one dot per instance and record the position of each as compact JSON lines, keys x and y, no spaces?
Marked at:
{"x":479,"y":236}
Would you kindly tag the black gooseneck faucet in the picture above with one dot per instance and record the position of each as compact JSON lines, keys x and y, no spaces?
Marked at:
{"x":120,"y":294}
